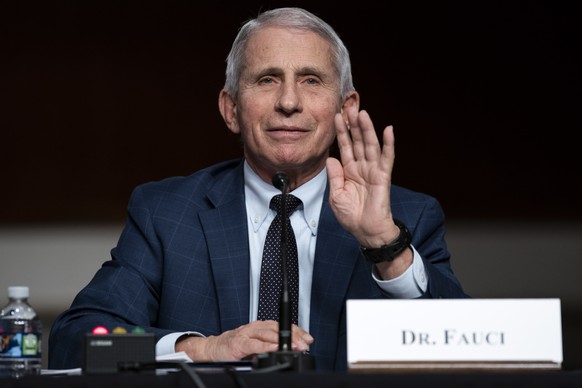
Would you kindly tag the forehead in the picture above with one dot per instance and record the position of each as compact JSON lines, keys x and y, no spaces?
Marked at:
{"x":275,"y":46}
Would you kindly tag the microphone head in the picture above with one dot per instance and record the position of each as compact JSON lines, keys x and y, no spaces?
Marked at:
{"x":281,"y":181}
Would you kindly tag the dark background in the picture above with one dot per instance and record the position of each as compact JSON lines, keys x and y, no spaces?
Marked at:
{"x":97,"y":97}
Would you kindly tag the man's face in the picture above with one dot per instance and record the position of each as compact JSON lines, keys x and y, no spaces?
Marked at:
{"x":288,"y":97}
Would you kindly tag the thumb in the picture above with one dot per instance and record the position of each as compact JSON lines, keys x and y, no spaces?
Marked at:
{"x":335,"y":174}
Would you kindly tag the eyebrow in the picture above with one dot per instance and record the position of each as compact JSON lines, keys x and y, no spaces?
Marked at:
{"x":302,"y":71}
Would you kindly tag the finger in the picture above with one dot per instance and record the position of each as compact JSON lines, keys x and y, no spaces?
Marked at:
{"x":388,"y":150}
{"x":344,"y":140}
{"x":255,"y":337}
{"x":301,"y":339}
{"x":335,"y":174}
{"x":355,"y":131}
{"x":238,"y":348}
{"x":254,"y":346}
{"x":298,"y":332}
{"x":266,"y":331}
{"x":370,"y":142}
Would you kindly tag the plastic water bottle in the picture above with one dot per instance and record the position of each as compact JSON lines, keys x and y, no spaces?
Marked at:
{"x":20,"y":335}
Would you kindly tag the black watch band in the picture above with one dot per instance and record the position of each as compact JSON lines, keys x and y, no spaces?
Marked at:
{"x":388,"y":252}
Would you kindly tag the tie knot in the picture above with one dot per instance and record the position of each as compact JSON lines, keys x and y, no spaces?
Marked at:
{"x":292,"y":203}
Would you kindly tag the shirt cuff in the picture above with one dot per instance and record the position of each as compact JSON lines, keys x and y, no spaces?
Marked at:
{"x":167,"y":344}
{"x":411,"y":284}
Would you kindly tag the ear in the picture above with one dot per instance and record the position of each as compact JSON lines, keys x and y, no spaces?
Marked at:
{"x":352,"y":101}
{"x":227,"y":107}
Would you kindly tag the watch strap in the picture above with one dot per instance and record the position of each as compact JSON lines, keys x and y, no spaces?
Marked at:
{"x":388,"y":252}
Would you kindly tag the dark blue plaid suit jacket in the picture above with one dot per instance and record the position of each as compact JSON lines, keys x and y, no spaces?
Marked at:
{"x":182,"y":263}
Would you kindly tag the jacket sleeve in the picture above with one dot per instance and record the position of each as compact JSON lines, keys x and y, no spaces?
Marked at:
{"x":428,"y":229}
{"x":124,"y":292}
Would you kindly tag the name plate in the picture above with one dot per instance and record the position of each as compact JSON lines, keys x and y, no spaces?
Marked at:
{"x":454,"y":333}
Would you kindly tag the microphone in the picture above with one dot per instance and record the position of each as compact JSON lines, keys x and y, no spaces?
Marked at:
{"x":285,"y":358}
{"x":281,"y":181}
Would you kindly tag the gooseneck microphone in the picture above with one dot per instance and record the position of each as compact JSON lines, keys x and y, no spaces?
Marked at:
{"x":285,"y":358}
{"x":281,"y":181}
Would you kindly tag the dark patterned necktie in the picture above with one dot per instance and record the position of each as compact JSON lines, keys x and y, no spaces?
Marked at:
{"x":271,"y":277}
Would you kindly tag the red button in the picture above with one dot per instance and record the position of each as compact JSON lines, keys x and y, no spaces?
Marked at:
{"x":100,"y":330}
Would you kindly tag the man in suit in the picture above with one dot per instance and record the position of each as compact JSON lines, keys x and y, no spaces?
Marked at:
{"x":187,"y":266}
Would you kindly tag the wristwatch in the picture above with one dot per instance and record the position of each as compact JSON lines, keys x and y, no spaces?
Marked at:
{"x":388,"y":252}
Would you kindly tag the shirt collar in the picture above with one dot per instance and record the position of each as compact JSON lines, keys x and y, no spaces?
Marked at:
{"x":258,"y":195}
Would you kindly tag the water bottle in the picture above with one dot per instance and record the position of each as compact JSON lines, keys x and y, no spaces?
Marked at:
{"x":20,"y":335}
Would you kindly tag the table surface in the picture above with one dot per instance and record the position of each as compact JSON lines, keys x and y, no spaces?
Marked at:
{"x":283,"y":379}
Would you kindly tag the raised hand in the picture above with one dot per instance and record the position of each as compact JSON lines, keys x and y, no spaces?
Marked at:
{"x":360,"y":183}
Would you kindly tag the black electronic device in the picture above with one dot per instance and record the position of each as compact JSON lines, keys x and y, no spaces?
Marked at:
{"x":113,"y":353}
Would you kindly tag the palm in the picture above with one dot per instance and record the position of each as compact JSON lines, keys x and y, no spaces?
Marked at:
{"x":360,"y":188}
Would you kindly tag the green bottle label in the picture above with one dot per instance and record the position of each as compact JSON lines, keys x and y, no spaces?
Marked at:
{"x":30,"y":345}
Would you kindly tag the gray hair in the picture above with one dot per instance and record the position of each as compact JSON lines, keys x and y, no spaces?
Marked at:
{"x":289,"y":17}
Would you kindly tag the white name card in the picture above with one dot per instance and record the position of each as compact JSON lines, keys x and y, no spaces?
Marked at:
{"x":454,"y":331}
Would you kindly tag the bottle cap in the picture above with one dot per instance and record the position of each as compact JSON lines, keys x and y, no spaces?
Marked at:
{"x":18,"y":292}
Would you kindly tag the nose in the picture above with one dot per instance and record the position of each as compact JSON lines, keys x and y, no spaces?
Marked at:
{"x":289,"y":100}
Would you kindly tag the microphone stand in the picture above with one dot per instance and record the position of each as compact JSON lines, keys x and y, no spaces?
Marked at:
{"x":285,"y":358}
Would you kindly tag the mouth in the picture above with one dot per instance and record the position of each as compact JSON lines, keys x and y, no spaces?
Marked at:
{"x":288,"y":129}
{"x":287,"y":133}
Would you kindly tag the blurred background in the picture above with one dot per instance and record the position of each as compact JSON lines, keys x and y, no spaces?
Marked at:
{"x":97,"y":97}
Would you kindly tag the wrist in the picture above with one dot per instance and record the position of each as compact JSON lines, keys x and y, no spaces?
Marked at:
{"x":380,"y":239}
{"x":193,"y":346}
{"x":387,"y":252}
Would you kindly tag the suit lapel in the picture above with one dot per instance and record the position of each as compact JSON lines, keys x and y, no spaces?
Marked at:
{"x":225,"y":227}
{"x":336,"y":255}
